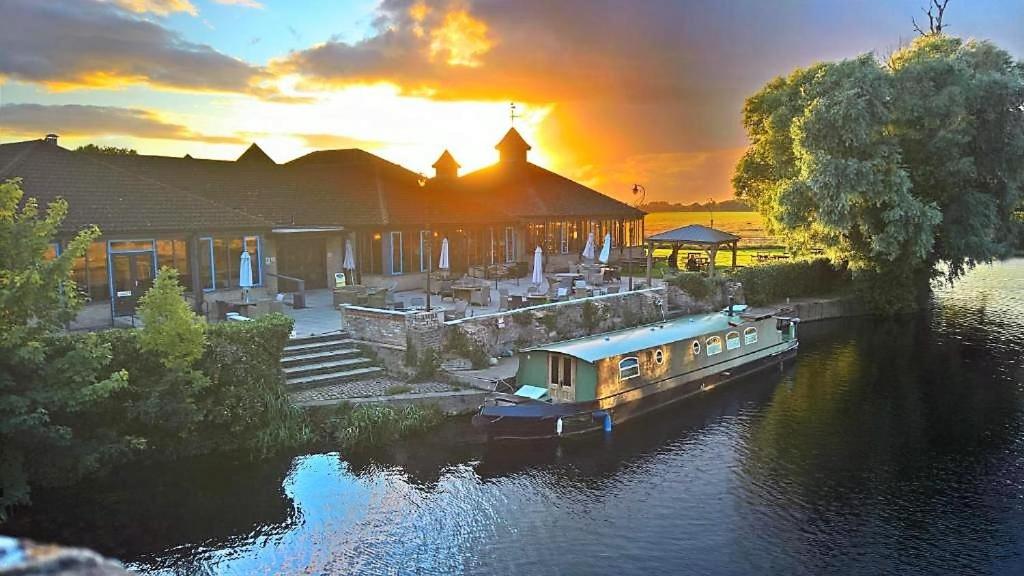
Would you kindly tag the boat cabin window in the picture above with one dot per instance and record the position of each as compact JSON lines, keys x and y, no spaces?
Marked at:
{"x":696,"y":347}
{"x":629,"y":368}
{"x":659,"y":356}
{"x":713,"y":345}
{"x":750,"y":335}
{"x":560,"y":370}
{"x":732,"y":340}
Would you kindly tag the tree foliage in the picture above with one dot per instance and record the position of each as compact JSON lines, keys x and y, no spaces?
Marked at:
{"x":170,"y":328}
{"x":892,"y":166}
{"x":43,"y":384}
{"x":107,"y":150}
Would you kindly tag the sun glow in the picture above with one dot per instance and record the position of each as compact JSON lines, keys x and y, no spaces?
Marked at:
{"x":461,"y":40}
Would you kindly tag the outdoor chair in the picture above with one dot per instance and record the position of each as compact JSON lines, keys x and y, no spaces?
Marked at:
{"x":579,"y":292}
{"x":613,"y":289}
{"x":481,"y":297}
{"x":579,"y":284}
{"x":503,"y":299}
{"x":458,"y":313}
{"x":516,"y":302}
{"x":418,"y":302}
{"x":561,"y":293}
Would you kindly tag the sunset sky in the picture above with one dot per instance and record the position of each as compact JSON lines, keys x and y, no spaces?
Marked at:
{"x":609,"y":93}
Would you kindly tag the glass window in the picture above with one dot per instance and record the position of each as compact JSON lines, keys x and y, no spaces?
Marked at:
{"x":206,"y":263}
{"x":629,"y":368}
{"x":510,"y":244}
{"x":96,"y":272}
{"x":424,"y":250}
{"x":396,"y":253}
{"x":563,"y":231}
{"x":222,"y":263}
{"x":131,"y":246}
{"x":695,"y":347}
{"x":560,"y":370}
{"x":659,"y":356}
{"x":732,"y":340}
{"x":713,"y":345}
{"x":750,"y":335}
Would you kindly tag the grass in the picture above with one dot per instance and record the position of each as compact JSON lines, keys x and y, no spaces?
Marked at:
{"x":366,"y":426}
{"x":397,"y":389}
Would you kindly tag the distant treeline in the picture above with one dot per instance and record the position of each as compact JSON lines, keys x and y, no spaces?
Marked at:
{"x":723,"y":206}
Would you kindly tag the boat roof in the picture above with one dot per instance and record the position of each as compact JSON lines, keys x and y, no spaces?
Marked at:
{"x":593,"y":348}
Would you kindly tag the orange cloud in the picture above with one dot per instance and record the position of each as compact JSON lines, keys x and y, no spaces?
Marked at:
{"x":461,"y":40}
{"x":160,"y":7}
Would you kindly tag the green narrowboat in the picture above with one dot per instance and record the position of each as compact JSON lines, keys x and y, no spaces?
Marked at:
{"x":592,"y":383}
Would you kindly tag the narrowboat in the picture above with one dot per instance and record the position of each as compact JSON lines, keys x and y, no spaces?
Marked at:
{"x":592,"y":383}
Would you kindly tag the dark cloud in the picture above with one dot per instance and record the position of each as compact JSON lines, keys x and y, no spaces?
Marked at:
{"x":91,"y":44}
{"x":35,"y":120}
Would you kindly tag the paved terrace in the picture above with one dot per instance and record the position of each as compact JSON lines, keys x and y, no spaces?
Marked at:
{"x":321,"y":317}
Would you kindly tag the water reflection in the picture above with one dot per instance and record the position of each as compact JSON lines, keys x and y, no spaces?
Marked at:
{"x":891,"y":447}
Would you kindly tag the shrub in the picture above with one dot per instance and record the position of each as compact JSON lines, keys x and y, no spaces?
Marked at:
{"x":460,"y":344}
{"x":398,"y":389}
{"x":371,"y":425}
{"x":772,"y":283}
{"x":694,"y":284}
{"x":169,"y":327}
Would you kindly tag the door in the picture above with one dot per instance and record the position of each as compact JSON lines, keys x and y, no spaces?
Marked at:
{"x":304,"y":258}
{"x":133,"y":275}
{"x":561,"y":378}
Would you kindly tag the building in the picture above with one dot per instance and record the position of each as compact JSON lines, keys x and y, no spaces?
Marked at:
{"x":295,"y":218}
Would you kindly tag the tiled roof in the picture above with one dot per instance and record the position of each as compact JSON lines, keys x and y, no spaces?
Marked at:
{"x":694,"y":234}
{"x":526,"y":190}
{"x":99,"y":193}
{"x":256,"y":155}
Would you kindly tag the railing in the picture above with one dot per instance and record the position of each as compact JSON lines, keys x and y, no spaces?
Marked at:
{"x":299,"y":296}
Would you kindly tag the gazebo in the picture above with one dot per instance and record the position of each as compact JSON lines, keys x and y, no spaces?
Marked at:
{"x":707,"y":239}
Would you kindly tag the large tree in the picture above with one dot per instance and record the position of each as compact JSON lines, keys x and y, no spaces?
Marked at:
{"x":893,"y":166}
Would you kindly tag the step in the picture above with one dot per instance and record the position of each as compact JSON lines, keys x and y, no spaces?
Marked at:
{"x":328,"y":337}
{"x":314,"y":357}
{"x":320,"y":346}
{"x":334,"y":377}
{"x":324,"y":367}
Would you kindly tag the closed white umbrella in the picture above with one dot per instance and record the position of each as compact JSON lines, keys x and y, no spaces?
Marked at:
{"x":245,"y":273}
{"x":588,"y":250}
{"x":443,"y":262}
{"x":538,"y":267}
{"x":350,"y":257}
{"x":606,"y":249}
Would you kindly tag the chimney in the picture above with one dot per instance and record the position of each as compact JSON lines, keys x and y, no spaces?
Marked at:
{"x":446,"y":166}
{"x":51,"y":139}
{"x":512,"y":147}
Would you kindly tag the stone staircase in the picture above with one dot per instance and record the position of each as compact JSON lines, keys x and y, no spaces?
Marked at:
{"x":323,"y":360}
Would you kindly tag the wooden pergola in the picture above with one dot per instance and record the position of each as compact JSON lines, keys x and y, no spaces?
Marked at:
{"x":696,"y":236}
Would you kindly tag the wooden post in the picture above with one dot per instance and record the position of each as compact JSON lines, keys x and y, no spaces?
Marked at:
{"x":650,"y":261}
{"x":734,"y":254}
{"x":712,"y":253}
{"x":197,"y":282}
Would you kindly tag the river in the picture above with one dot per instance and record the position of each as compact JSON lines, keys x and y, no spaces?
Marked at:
{"x":890,"y":447}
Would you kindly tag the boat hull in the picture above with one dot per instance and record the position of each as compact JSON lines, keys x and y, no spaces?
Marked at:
{"x":537,"y":420}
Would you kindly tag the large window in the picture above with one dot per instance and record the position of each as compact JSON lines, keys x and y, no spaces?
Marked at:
{"x":732,"y":340}
{"x":713,"y":345}
{"x":220,"y":261}
{"x":396,"y":253}
{"x":174,"y":254}
{"x":510,"y":244}
{"x":750,"y":335}
{"x":629,"y":368}
{"x":424,"y":250}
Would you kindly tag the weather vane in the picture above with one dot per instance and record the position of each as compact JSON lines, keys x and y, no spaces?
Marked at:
{"x":512,"y":114}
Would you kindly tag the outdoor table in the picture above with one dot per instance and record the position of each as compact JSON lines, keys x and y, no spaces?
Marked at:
{"x":536,"y":299}
{"x":465,"y":290}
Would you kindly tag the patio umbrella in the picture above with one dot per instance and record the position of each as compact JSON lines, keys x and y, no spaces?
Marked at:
{"x":538,"y":267}
{"x":606,"y":249}
{"x":245,"y":273}
{"x":588,"y":250}
{"x":350,"y":258}
{"x":443,"y":262}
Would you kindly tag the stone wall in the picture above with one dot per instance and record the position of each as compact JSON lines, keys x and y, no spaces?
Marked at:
{"x":505,"y":332}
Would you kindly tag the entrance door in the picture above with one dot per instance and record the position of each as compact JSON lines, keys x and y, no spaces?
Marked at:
{"x":304,"y":258}
{"x":561,"y":378}
{"x":132,"y":274}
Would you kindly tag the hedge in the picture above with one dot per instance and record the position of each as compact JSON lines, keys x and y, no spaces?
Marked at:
{"x":773,"y":283}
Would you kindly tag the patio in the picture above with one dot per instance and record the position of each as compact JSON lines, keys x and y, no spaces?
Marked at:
{"x":480,"y":297}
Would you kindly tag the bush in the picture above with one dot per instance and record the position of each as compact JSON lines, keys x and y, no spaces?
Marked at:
{"x":694,"y":284}
{"x":169,"y":327}
{"x":397,"y":389}
{"x":773,"y":283}
{"x":371,"y":425}
{"x":460,"y":344}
